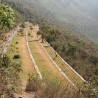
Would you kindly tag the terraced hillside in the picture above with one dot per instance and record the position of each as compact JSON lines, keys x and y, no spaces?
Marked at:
{"x":44,"y":57}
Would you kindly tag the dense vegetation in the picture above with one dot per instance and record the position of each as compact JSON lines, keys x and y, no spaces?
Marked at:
{"x":8,"y":19}
{"x":75,"y":15}
{"x":8,"y":83}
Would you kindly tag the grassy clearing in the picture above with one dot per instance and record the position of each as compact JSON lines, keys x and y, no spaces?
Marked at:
{"x":72,"y":76}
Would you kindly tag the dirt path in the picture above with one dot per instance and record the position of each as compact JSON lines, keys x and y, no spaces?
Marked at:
{"x":27,"y":64}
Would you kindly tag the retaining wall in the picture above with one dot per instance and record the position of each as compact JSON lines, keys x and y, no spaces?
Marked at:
{"x":35,"y":66}
{"x":67,"y":64}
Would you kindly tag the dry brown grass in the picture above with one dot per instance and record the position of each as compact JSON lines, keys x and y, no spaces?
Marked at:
{"x":51,"y":88}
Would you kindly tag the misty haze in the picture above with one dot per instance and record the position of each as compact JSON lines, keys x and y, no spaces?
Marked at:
{"x":80,"y":16}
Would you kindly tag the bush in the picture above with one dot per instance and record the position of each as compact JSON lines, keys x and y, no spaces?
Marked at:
{"x":9,"y":83}
{"x":29,"y":34}
{"x":16,"y":56}
{"x":34,"y":83}
{"x":94,"y":60}
{"x":16,"y":42}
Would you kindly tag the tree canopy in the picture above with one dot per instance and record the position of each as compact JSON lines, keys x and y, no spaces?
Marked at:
{"x":7,"y":17}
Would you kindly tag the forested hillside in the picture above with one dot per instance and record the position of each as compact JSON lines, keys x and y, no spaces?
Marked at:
{"x":60,"y":21}
{"x":75,"y":15}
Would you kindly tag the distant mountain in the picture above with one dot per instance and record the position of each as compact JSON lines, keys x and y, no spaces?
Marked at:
{"x":80,"y":16}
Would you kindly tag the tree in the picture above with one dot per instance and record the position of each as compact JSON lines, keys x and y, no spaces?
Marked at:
{"x":44,"y":31}
{"x":7,"y":17}
{"x":63,"y":48}
{"x":56,"y":33}
{"x":72,"y":49}
{"x":55,"y":48}
{"x":23,"y":25}
{"x":38,"y":33}
{"x":43,"y":36}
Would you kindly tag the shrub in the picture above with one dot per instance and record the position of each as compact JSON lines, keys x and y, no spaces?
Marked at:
{"x":16,"y":56}
{"x":9,"y":83}
{"x":94,"y":60}
{"x":16,"y":42}
{"x":34,"y":83}
{"x":29,"y":34}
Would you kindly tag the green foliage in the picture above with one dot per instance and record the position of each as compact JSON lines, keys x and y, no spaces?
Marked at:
{"x":94,"y":60}
{"x":29,"y":34}
{"x":63,"y":48}
{"x":5,"y":61}
{"x":72,"y":49}
{"x":21,"y":31}
{"x":39,"y":32}
{"x":7,"y":17}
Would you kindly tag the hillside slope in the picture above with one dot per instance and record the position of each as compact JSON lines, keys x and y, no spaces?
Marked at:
{"x":79,"y":16}
{"x":81,"y":54}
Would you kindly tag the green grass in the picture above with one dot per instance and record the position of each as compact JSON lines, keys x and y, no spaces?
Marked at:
{"x":12,"y":48}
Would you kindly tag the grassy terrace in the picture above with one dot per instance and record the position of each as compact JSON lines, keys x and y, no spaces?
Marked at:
{"x":21,"y":49}
{"x":12,"y":48}
{"x":72,"y":76}
{"x":45,"y":65}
